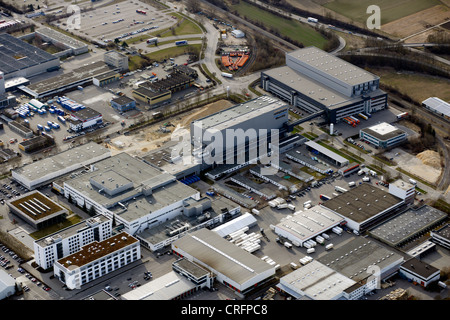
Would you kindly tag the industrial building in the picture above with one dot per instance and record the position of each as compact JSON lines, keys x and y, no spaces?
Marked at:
{"x":174,"y":82}
{"x":264,"y":192}
{"x":151,"y":97}
{"x":303,"y":156}
{"x":363,"y":261}
{"x":186,"y":70}
{"x":383,"y":135}
{"x":235,"y":268}
{"x":318,"y":82}
{"x":37,"y":143}
{"x":419,"y":272}
{"x":37,"y":210}
{"x":44,"y":171}
{"x":327,"y":154}
{"x":185,"y":279}
{"x":261,"y":116}
{"x":441,"y":236}
{"x":106,"y":78}
{"x":97,"y":259}
{"x":68,"y":81}
{"x":243,"y":221}
{"x":123,"y":103}
{"x":69,"y":240}
{"x":21,"y":59}
{"x":407,"y":225}
{"x":84,"y":118}
{"x":315,"y":281}
{"x":116,"y":59}
{"x":136,"y":194}
{"x":7,"y":285}
{"x":437,"y":106}
{"x":70,"y":46}
{"x":238,"y":33}
{"x":196,"y":214}
{"x":21,"y":129}
{"x":307,"y":224}
{"x":364,"y":206}
{"x":7,"y":154}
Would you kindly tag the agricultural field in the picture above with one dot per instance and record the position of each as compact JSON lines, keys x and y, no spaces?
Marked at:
{"x":290,"y":28}
{"x":413,"y":84}
{"x":390,"y":10}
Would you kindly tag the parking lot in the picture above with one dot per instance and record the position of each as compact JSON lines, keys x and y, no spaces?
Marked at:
{"x":97,"y":23}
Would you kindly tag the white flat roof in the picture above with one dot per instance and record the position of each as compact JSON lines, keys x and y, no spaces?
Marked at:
{"x":306,"y":224}
{"x":383,"y":128}
{"x":317,"y":281}
{"x":438,"y":105}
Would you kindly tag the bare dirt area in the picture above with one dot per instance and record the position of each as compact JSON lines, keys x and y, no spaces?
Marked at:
{"x":155,"y":136}
{"x":426,"y":165}
{"x":417,"y":22}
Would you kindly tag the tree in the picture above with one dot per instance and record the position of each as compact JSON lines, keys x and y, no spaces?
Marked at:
{"x":92,"y":211}
{"x":192,"y":5}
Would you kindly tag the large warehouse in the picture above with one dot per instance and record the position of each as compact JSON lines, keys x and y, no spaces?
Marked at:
{"x":21,"y":59}
{"x":138,"y":195}
{"x":234,"y":267}
{"x":317,"y":81}
{"x":359,"y":258}
{"x":407,"y":225}
{"x":364,"y":206}
{"x":308,"y":224}
{"x":44,"y":171}
{"x":257,"y":115}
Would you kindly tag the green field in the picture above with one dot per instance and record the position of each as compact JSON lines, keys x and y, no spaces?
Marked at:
{"x":290,"y":28}
{"x":390,"y":10}
{"x":174,"y":52}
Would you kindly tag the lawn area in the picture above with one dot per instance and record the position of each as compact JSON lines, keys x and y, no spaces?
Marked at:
{"x":390,"y":10}
{"x":174,"y":52}
{"x":290,"y":28}
{"x":135,"y":62}
{"x":161,"y":43}
{"x":413,"y":84}
{"x":56,"y":227}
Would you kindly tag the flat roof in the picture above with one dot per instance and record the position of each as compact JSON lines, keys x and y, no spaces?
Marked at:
{"x":157,"y":234}
{"x":314,"y":89}
{"x":310,"y":222}
{"x":221,"y":255}
{"x":83,"y":73}
{"x":240,"y":112}
{"x":36,"y":206}
{"x":401,"y":184}
{"x":122,"y":100}
{"x":70,"y":231}
{"x":361,"y":202}
{"x":444,"y":232}
{"x":421,"y":268}
{"x":383,"y":131}
{"x":16,"y":54}
{"x":326,"y":151}
{"x":95,"y":250}
{"x":438,"y":105}
{"x":165,"y":190}
{"x":165,"y":287}
{"x":317,"y":281}
{"x":301,"y":153}
{"x":86,"y":114}
{"x":355,"y":257}
{"x":59,"y":162}
{"x":149,"y":93}
{"x":61,"y":37}
{"x":331,"y":65}
{"x":407,"y":224}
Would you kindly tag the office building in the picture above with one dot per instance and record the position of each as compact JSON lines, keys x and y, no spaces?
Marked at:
{"x":383,"y":135}
{"x":69,"y":240}
{"x":235,"y":268}
{"x":441,"y":236}
{"x":403,"y":190}
{"x":84,"y":118}
{"x":316,"y":81}
{"x":106,"y":78}
{"x":97,"y":259}
{"x":44,"y":171}
{"x":116,"y":60}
